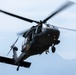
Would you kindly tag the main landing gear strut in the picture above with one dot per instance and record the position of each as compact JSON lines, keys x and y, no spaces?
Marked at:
{"x":53,"y":46}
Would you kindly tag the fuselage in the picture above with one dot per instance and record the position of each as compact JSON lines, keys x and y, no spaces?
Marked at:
{"x":44,"y":40}
{"x":41,"y":42}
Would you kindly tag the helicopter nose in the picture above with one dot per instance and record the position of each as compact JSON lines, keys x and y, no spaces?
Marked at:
{"x":56,"y":34}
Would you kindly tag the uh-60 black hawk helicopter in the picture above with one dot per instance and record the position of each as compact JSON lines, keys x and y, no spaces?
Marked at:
{"x":39,"y":39}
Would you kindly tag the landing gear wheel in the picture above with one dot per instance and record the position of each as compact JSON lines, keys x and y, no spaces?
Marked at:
{"x":53,"y":49}
{"x":18,"y":68}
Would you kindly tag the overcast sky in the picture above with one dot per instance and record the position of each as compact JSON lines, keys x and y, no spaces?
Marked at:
{"x":38,"y":10}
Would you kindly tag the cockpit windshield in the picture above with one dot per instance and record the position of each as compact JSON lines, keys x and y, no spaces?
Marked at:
{"x":55,"y":27}
{"x":52,"y":26}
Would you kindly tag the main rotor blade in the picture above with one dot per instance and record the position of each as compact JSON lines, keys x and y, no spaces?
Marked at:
{"x":67,"y":29}
{"x":66,"y":5}
{"x":19,"y":17}
{"x":63,"y":28}
{"x":27,"y":32}
{"x":23,"y":32}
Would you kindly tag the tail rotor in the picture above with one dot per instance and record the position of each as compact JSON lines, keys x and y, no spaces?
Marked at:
{"x":12,"y":46}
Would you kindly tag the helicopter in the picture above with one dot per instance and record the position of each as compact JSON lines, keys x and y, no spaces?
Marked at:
{"x":38,"y":38}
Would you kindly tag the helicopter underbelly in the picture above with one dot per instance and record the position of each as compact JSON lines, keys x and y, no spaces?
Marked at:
{"x":43,"y":41}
